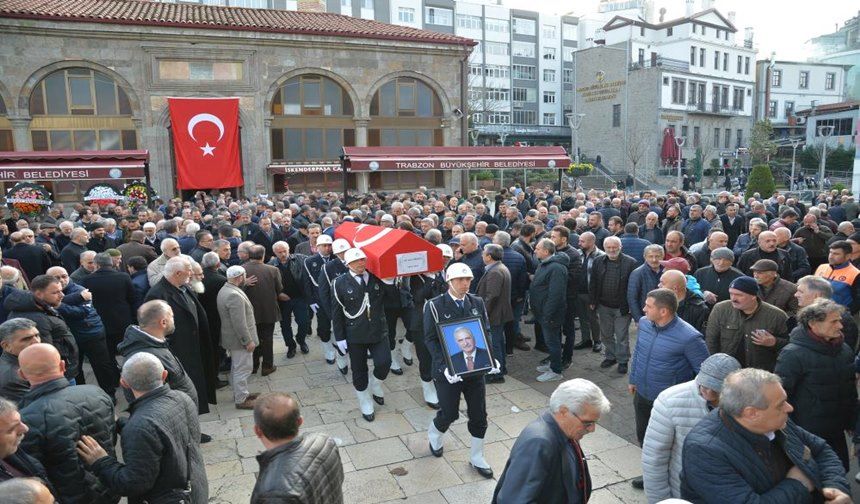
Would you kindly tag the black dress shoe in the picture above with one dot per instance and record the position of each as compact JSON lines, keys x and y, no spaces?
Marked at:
{"x":379,"y":400}
{"x":433,"y":405}
{"x":304,"y":348}
{"x":205,"y":438}
{"x":436,"y":453}
{"x":597,"y":348}
{"x":530,"y":321}
{"x":638,"y":483}
{"x":329,"y":361}
{"x":622,"y":369}
{"x":524,"y":337}
{"x":344,"y":370}
{"x":545,"y":360}
{"x":398,"y":372}
{"x":369,"y":417}
{"x":582,"y":345}
{"x":221,"y":384}
{"x":494,"y":378}
{"x":406,"y":361}
{"x":521,"y":345}
{"x":608,"y":363}
{"x":291,"y":352}
{"x":485,"y":472}
{"x":542,"y":348}
{"x":565,"y":364}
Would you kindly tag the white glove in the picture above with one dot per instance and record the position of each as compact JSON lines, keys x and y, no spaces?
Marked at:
{"x":341,"y":345}
{"x":452,"y":379}
{"x":495,"y":369}
{"x":315,"y":307}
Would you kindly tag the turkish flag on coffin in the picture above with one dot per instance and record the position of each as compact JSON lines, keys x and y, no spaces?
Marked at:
{"x":206,"y":142}
{"x":392,"y":252}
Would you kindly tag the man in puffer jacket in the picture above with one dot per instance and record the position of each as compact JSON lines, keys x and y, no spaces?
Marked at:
{"x":817,"y":371}
{"x":668,"y":351}
{"x":676,"y":411}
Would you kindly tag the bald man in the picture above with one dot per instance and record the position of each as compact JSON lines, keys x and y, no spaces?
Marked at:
{"x":692,"y":308}
{"x":57,"y":415}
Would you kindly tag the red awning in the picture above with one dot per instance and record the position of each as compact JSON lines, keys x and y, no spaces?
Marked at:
{"x":453,"y":158}
{"x":72,"y":165}
{"x":392,"y":252}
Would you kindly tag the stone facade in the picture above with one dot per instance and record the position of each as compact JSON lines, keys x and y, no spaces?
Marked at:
{"x":32,"y":49}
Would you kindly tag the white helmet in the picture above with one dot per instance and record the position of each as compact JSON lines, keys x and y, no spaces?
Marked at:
{"x":447,"y":251}
{"x":323,"y":239}
{"x":353,"y":254}
{"x":458,"y":270}
{"x":338,"y":246}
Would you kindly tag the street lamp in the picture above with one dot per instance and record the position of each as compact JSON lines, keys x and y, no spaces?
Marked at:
{"x":679,"y":141}
{"x":575,"y":121}
{"x":794,"y":144}
{"x":826,"y":132}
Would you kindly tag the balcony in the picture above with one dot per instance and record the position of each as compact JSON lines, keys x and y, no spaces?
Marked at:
{"x":713,"y":109}
{"x":660,"y":62}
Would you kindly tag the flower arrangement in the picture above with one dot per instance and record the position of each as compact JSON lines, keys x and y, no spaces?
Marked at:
{"x":138,"y":193}
{"x":102,"y":194}
{"x":580,"y":169}
{"x":28,"y":198}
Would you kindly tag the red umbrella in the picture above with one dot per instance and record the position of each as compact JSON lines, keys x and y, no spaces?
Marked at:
{"x":669,"y":151}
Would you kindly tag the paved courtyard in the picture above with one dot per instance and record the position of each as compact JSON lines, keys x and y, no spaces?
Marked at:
{"x":388,"y":460}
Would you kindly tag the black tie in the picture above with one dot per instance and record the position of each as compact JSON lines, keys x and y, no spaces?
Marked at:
{"x":360,"y":279}
{"x":459,"y":304}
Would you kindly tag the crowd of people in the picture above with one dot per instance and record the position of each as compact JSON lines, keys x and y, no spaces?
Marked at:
{"x":742,"y":374}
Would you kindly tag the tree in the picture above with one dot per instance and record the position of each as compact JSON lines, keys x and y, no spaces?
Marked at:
{"x":762,"y":146}
{"x":479,"y":106}
{"x":636,"y":145}
{"x":761,"y":181}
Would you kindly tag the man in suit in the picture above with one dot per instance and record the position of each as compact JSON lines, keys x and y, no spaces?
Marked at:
{"x":470,"y":357}
{"x":264,"y":296}
{"x":547,"y":463}
{"x":494,"y":288}
{"x":266,"y":235}
{"x":114,"y":298}
{"x":310,"y":247}
{"x":33,"y":258}
{"x":136,"y":247}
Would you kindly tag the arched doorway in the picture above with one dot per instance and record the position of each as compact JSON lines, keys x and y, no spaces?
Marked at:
{"x":80,"y":109}
{"x":312,"y":120}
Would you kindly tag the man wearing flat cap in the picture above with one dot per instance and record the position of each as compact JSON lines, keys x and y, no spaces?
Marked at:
{"x":747,"y":328}
{"x":714,"y":280}
{"x":773,"y":289}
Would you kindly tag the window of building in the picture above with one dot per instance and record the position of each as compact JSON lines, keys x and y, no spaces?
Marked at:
{"x":694,"y":27}
{"x":789,"y":108}
{"x":79,"y":91}
{"x":641,"y":31}
{"x":549,"y":119}
{"x":311,"y":95}
{"x":740,"y":63}
{"x":549,"y":53}
{"x":641,"y":57}
{"x":726,"y":35}
{"x":567,"y":100}
{"x":679,"y":91}
{"x":567,"y":75}
{"x":497,"y":49}
{"x":469,"y":22}
{"x":292,"y":5}
{"x":549,"y":32}
{"x":476,"y":70}
{"x":665,"y":81}
{"x":523,"y":49}
{"x":616,"y":115}
{"x":684,"y":131}
{"x":728,"y":138}
{"x":549,"y":75}
{"x":200,"y":70}
{"x":771,"y":108}
{"x":439,"y":16}
{"x":521,"y":94}
{"x":746,"y":65}
{"x":567,"y":53}
{"x":367,"y":4}
{"x":719,"y":32}
{"x":716,"y":138}
{"x":499,"y":118}
{"x":804,"y":80}
{"x":498,"y":94}
{"x":738,"y":95}
{"x":704,"y":30}
{"x":696,"y":136}
{"x":725,"y":62}
{"x":739,"y":141}
{"x":527,"y":117}
{"x":702,"y":57}
{"x":346,"y":5}
{"x":406,"y":15}
{"x":524,"y":26}
{"x":405,"y":97}
{"x":841,"y":127}
{"x":549,"y":97}
{"x":569,"y":31}
{"x":716,"y":60}
{"x":692,"y":54}
{"x":524,"y":72}
{"x":497,"y":25}
{"x":497,"y":71}
{"x":669,"y":31}
{"x":829,"y":81}
{"x":776,"y":78}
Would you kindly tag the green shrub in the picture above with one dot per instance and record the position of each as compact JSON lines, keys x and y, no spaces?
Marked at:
{"x":761,"y":181}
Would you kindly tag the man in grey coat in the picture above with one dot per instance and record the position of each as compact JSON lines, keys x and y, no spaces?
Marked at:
{"x":547,"y":464}
{"x":162,"y":461}
{"x":238,"y":334}
{"x":16,"y":334}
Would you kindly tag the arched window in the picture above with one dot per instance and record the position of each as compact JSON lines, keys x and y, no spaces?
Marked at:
{"x":312,"y":121}
{"x":405,"y":112}
{"x":80,"y":109}
{"x":6,"y":143}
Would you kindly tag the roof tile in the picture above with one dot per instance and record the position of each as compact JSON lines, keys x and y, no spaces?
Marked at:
{"x":137,"y":12}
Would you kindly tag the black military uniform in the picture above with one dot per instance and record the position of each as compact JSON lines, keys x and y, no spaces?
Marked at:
{"x":443,"y":308}
{"x":313,"y":266}
{"x":423,"y":288}
{"x":398,"y":304}
{"x":329,"y":272}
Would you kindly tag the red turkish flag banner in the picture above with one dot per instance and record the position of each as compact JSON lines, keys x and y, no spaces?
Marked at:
{"x":206,"y":142}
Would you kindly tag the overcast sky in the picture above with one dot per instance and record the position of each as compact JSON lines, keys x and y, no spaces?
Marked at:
{"x":781,"y":26}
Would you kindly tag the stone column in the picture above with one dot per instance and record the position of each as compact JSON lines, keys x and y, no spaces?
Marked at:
{"x":21,"y":133}
{"x":267,"y":155}
{"x":362,"y":179}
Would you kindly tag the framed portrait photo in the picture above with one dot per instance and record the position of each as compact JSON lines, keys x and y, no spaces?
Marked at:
{"x":467,"y":350}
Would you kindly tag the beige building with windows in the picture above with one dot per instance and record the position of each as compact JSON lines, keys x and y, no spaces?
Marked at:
{"x":96,"y":74}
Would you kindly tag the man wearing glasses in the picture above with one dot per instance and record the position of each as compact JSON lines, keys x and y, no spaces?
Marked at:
{"x":547,"y":464}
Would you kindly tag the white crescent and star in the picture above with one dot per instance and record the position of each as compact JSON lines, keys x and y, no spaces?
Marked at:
{"x":208,"y":150}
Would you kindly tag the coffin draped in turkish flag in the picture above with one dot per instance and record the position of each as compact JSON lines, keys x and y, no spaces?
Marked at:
{"x":206,"y":142}
{"x":392,"y":252}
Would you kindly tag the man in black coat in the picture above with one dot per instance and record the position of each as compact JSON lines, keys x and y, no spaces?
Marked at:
{"x":70,"y":256}
{"x":714,"y":280}
{"x":548,"y":299}
{"x":114,"y":298}
{"x":734,"y":224}
{"x":213,"y":280}
{"x":58,"y":414}
{"x":190,"y":341}
{"x":266,"y":235}
{"x":33,"y":258}
{"x":610,"y":274}
{"x":560,"y":235}
{"x":160,"y":441}
{"x":99,"y":242}
{"x":13,"y":459}
{"x":766,"y":249}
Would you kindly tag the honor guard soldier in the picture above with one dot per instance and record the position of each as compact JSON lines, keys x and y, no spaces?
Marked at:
{"x":455,"y":304}
{"x":425,"y":287}
{"x":331,"y":270}
{"x":358,"y":321}
{"x":313,"y":267}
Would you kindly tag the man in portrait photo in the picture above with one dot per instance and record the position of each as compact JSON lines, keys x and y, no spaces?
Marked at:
{"x":470,"y":357}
